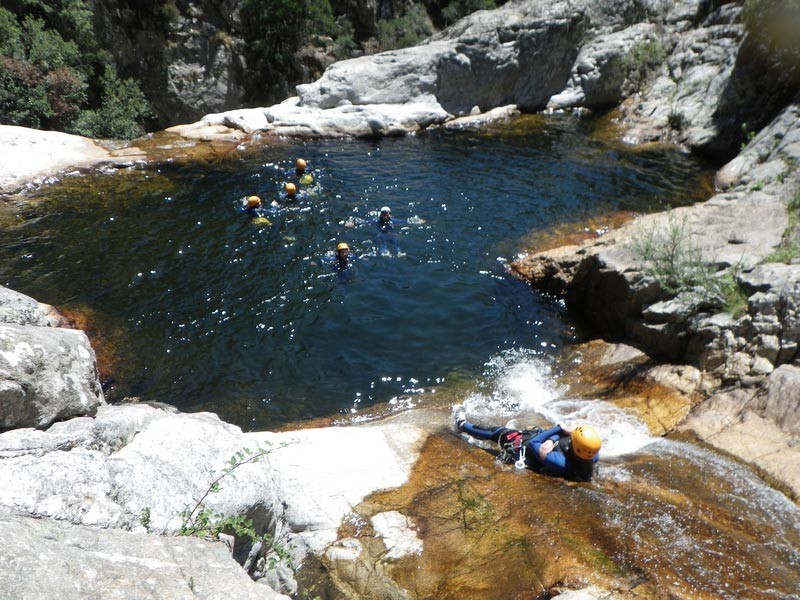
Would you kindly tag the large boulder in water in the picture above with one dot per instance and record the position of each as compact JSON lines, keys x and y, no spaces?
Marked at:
{"x":46,"y":373}
{"x":24,"y":310}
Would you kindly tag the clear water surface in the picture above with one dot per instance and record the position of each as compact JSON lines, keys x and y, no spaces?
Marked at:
{"x":209,"y":312}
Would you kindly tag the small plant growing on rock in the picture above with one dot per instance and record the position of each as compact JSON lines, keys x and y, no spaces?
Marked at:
{"x":677,"y":121}
{"x":201,"y":521}
{"x":669,"y":255}
{"x":789,"y":248}
{"x":641,"y":61}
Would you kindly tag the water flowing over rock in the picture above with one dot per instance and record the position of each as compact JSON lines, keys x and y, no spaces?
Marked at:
{"x":47,"y":373}
{"x":607,"y":281}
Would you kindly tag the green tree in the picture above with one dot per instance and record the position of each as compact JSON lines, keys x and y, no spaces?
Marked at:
{"x":123,"y":107}
{"x":273,"y":31}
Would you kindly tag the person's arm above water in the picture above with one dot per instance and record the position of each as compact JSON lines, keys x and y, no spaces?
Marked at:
{"x":543,"y":445}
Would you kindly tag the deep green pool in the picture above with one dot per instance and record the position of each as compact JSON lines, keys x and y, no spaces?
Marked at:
{"x":206,"y":311}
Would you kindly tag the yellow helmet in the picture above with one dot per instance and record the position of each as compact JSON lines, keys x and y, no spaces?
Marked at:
{"x":586,"y":442}
{"x":300,"y":164}
{"x":342,"y":246}
{"x":290,"y":188}
{"x":253,"y":201}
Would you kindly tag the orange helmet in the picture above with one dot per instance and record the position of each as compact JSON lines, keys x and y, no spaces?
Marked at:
{"x":253,"y":201}
{"x":291,"y":189}
{"x":300,"y":164}
{"x":586,"y":442}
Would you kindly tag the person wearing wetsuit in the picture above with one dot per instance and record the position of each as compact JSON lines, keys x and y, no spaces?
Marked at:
{"x":385,"y":222}
{"x":254,"y":208}
{"x":386,"y":238}
{"x":342,"y":260}
{"x":305,"y":178}
{"x":557,"y":451}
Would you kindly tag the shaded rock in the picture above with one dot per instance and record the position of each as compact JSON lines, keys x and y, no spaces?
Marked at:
{"x":48,"y":559}
{"x":46,"y":374}
{"x":600,"y":73}
{"x":772,"y":155}
{"x":189,"y":63}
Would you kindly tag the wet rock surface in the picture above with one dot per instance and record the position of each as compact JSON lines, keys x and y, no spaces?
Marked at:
{"x":606,"y":282}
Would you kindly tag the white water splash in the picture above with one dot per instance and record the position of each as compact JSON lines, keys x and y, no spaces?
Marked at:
{"x":522,"y":387}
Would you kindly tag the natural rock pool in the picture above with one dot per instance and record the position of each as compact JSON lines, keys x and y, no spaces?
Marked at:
{"x":195,"y":306}
{"x":192,"y":304}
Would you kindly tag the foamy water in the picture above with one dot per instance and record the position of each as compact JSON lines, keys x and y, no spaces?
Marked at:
{"x":521,"y":386}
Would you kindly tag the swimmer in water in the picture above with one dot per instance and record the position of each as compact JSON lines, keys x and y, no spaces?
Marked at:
{"x":560,"y":451}
{"x":300,"y":169}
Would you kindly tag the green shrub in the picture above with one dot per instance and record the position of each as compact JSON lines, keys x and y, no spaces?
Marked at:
{"x":407,"y":30}
{"x":123,"y":106}
{"x":23,"y":94}
{"x":10,"y":36}
{"x":50,"y":66}
{"x":669,"y":256}
{"x":46,"y":48}
{"x":641,"y":60}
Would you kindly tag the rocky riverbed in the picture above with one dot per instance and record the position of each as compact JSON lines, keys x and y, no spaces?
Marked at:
{"x":101,"y":486}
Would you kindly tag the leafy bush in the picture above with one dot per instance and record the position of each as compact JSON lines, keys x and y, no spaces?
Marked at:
{"x":123,"y":106}
{"x":10,"y":36}
{"x":51,"y":69}
{"x":273,"y":31}
{"x":407,"y":30}
{"x":669,"y":256}
{"x":23,"y":94}
{"x":641,"y":60}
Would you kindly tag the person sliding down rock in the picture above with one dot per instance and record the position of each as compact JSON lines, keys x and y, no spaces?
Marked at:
{"x":558,"y":451}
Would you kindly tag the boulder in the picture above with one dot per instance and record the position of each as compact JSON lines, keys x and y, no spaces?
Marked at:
{"x":601,"y":73}
{"x":24,"y":310}
{"x":290,"y":119}
{"x":46,"y":374}
{"x":690,"y":85}
{"x":31,"y":155}
{"x":50,"y":559}
{"x":770,"y":157}
{"x":760,"y":426}
{"x":148,"y":468}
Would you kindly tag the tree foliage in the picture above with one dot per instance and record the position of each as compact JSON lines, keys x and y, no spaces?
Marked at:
{"x":273,"y":32}
{"x":52,"y":73}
